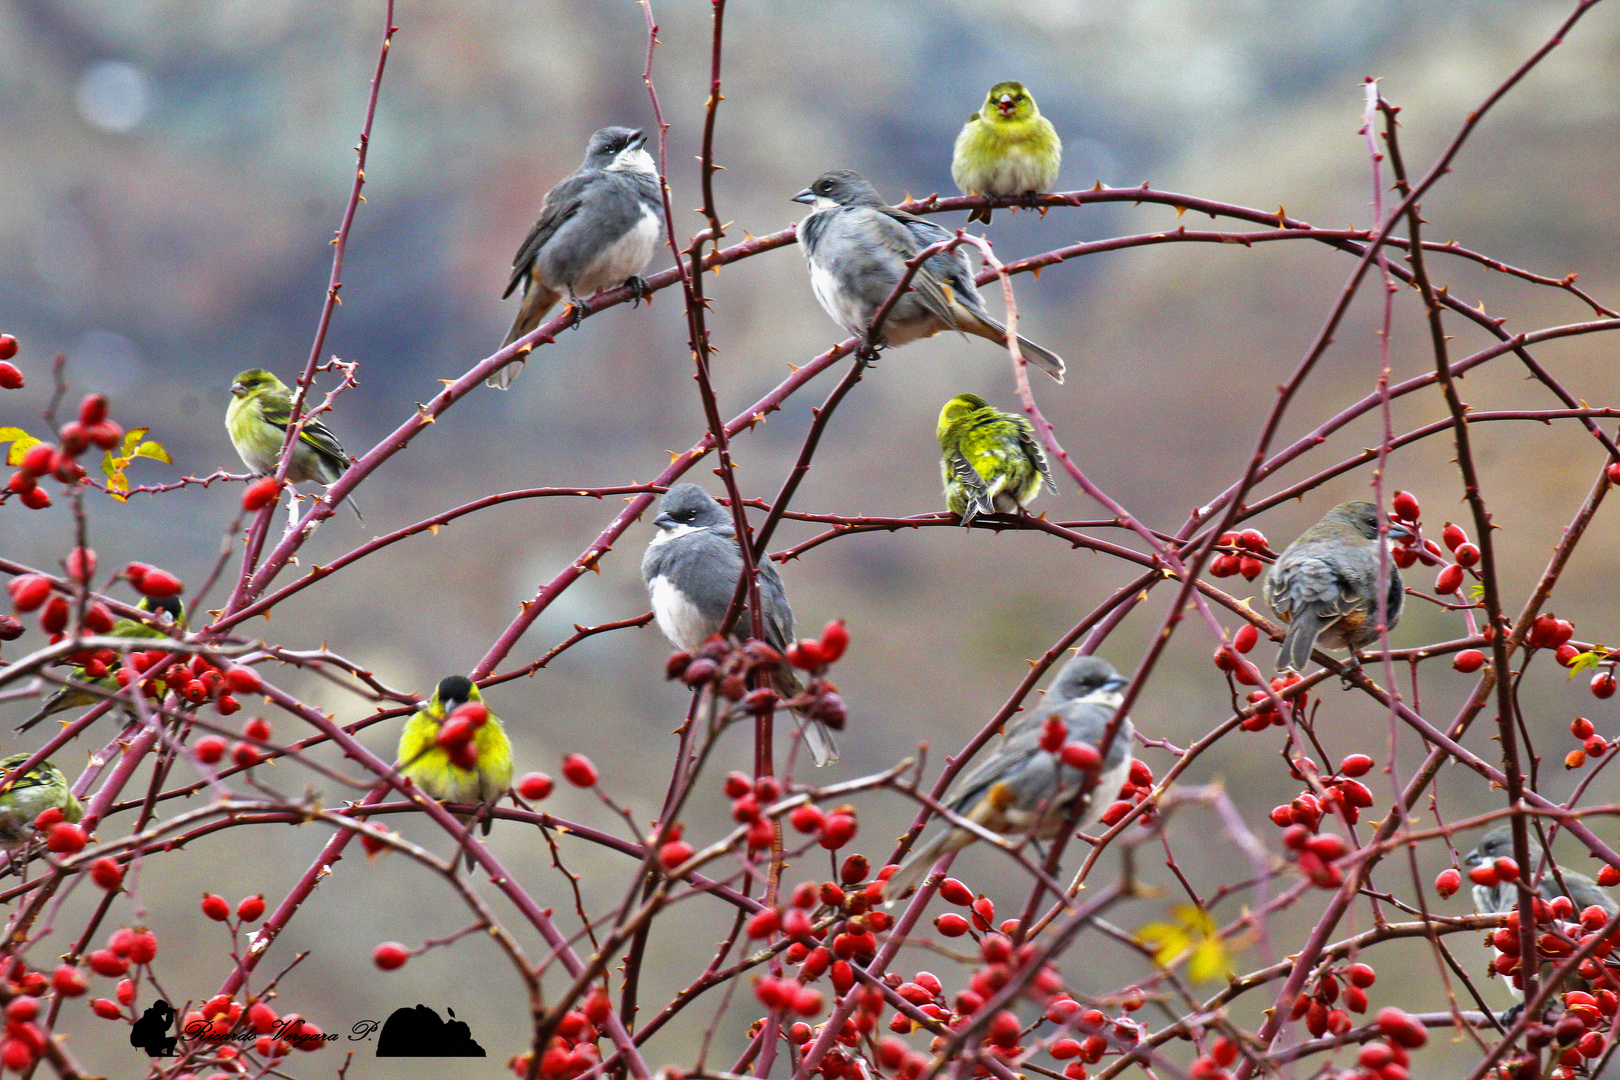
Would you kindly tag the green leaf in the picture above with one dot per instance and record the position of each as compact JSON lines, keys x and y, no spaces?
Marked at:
{"x":154,"y":450}
{"x":1587,"y":660}
{"x":1476,"y":590}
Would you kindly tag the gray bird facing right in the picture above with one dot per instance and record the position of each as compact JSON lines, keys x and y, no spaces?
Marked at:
{"x":1582,"y":891}
{"x":598,"y":229}
{"x":1022,"y":789}
{"x":1324,"y":585}
{"x":857,"y":247}
{"x":691,"y":570}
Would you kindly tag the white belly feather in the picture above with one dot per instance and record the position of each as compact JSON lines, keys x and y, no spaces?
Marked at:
{"x":625,"y":257}
{"x":678,"y":618}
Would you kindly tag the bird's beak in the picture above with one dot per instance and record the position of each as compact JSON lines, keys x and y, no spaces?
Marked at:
{"x":638,"y":140}
{"x":1005,"y":104}
{"x":664,"y":521}
{"x":1117,"y":683}
{"x":238,"y":389}
{"x":806,"y":196}
{"x":1400,"y":532}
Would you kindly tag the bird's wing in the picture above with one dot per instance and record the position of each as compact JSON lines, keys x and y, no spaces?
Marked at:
{"x":906,"y":234}
{"x":778,"y":614}
{"x":276,"y":409}
{"x":562,"y":202}
{"x":1307,"y":582}
{"x":1032,"y":446}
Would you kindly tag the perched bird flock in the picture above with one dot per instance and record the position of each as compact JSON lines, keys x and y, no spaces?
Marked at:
{"x":1058,"y":765}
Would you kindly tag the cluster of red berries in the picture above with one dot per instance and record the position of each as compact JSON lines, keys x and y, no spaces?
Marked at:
{"x":91,"y":428}
{"x":1565,"y":931}
{"x":1592,"y":745}
{"x":1266,"y":713}
{"x":831,"y":925}
{"x":1300,"y":819}
{"x":1239,"y":554}
{"x":216,"y":907}
{"x":1084,"y":757}
{"x":1386,"y":1058}
{"x":245,"y":753}
{"x":1214,"y":1065}
{"x":220,"y":1016}
{"x":457,"y":734}
{"x":573,"y":1049}
{"x":10,"y":377}
{"x":1100,"y":1033}
{"x":728,"y":667}
{"x":1579,"y":1035}
{"x":61,"y":837}
{"x":1320,"y":1006}
{"x":981,"y":908}
{"x":25,"y":1040}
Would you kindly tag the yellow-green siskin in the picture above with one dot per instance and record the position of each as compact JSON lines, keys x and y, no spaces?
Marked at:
{"x":257,"y":420}
{"x":1006,"y":148}
{"x":485,"y":773}
{"x":167,"y":612}
{"x":993,"y":463}
{"x":33,"y":793}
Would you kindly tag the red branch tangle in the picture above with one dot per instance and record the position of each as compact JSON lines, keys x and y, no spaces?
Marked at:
{"x":822,"y":975}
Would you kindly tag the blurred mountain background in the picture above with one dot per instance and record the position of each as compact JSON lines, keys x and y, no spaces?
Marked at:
{"x":174,"y":170}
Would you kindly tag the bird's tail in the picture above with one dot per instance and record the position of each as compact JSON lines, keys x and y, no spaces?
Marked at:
{"x":536,"y":302}
{"x":818,"y":737}
{"x":1297,"y":644}
{"x":1043,"y":358}
{"x":61,"y":701}
{"x":981,"y":213}
{"x":921,"y":860}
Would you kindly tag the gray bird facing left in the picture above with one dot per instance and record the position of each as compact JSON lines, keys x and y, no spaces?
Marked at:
{"x":598,"y":229}
{"x":857,"y":247}
{"x":1021,"y":789}
{"x":1325,"y":585}
{"x":691,"y":570}
{"x":1582,"y":891}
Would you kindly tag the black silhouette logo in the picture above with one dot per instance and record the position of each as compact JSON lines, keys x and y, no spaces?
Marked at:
{"x":419,"y":1032}
{"x":151,"y":1031}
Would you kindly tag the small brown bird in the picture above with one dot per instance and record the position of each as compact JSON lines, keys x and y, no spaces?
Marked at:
{"x":1324,"y":585}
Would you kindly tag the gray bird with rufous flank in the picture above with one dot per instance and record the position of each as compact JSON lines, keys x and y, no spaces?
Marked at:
{"x":857,"y":247}
{"x":1325,"y":585}
{"x":691,"y":570}
{"x":598,"y":229}
{"x":1503,"y":896}
{"x":1023,"y":789}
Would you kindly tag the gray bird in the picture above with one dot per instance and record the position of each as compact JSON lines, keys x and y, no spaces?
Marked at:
{"x":1022,"y":789}
{"x":598,"y":229}
{"x":1504,"y":896}
{"x":691,"y":570}
{"x":857,"y":247}
{"x":1324,"y":585}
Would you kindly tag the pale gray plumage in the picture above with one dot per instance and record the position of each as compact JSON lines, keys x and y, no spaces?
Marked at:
{"x":598,"y":229}
{"x":1324,"y":585}
{"x":857,"y":247}
{"x":691,"y":570}
{"x":1582,"y":891}
{"x":1021,"y":788}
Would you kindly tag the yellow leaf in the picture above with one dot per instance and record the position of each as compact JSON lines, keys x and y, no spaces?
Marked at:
{"x":1208,"y":961}
{"x":154,"y":450}
{"x":132,"y":439}
{"x":21,"y":442}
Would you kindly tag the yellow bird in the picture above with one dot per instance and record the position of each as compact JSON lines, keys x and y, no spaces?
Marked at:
{"x":457,"y":753}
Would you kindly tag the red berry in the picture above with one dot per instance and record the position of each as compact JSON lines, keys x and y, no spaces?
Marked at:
{"x":68,"y":981}
{"x":93,"y":409}
{"x":1452,"y":536}
{"x":807,"y":819}
{"x":834,"y":640}
{"x":737,"y":784}
{"x":951,"y":924}
{"x":107,"y":873}
{"x":1225,"y":565}
{"x":107,"y":963}
{"x":20,"y":482}
{"x":244,"y":680}
{"x":1506,"y":869}
{"x":1467,"y":555}
{"x":143,"y":946}
{"x":246,"y":755}
{"x":1449,"y":581}
{"x":261,"y":493}
{"x":159,"y":584}
{"x":806,"y":653}
{"x":10,"y":377}
{"x":534,"y":786}
{"x":579,"y":770}
{"x":8,"y":349}
{"x":1361,"y":975}
{"x":81,"y":564}
{"x":28,"y":592}
{"x":1252,"y":539}
{"x":389,"y":955}
{"x":1484,"y":874}
{"x":1581,"y":728}
{"x":1406,"y":506}
{"x":674,"y":853}
{"x":838,"y":830}
{"x":251,"y":908}
{"x":1398,"y":1025}
{"x":1246,"y":638}
{"x":257,"y":729}
{"x":36,"y":498}
{"x":1116,"y":813}
{"x":955,"y":892}
{"x":1250,"y":568}
{"x":764,"y":923}
{"x":1603,"y":684}
{"x":107,"y":1010}
{"x":1356,"y":765}
{"x":37,"y":462}
{"x":65,"y":838}
{"x":1595,"y":746}
{"x":1468,"y":661}
{"x":456,"y":731}
{"x":1448,"y":882}
{"x":15,"y":1054}
{"x":210,"y":749}
{"x":54,"y":618}
{"x":215,"y":907}
{"x":1082,"y":756}
{"x":98,"y":619}
{"x":106,"y":434}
